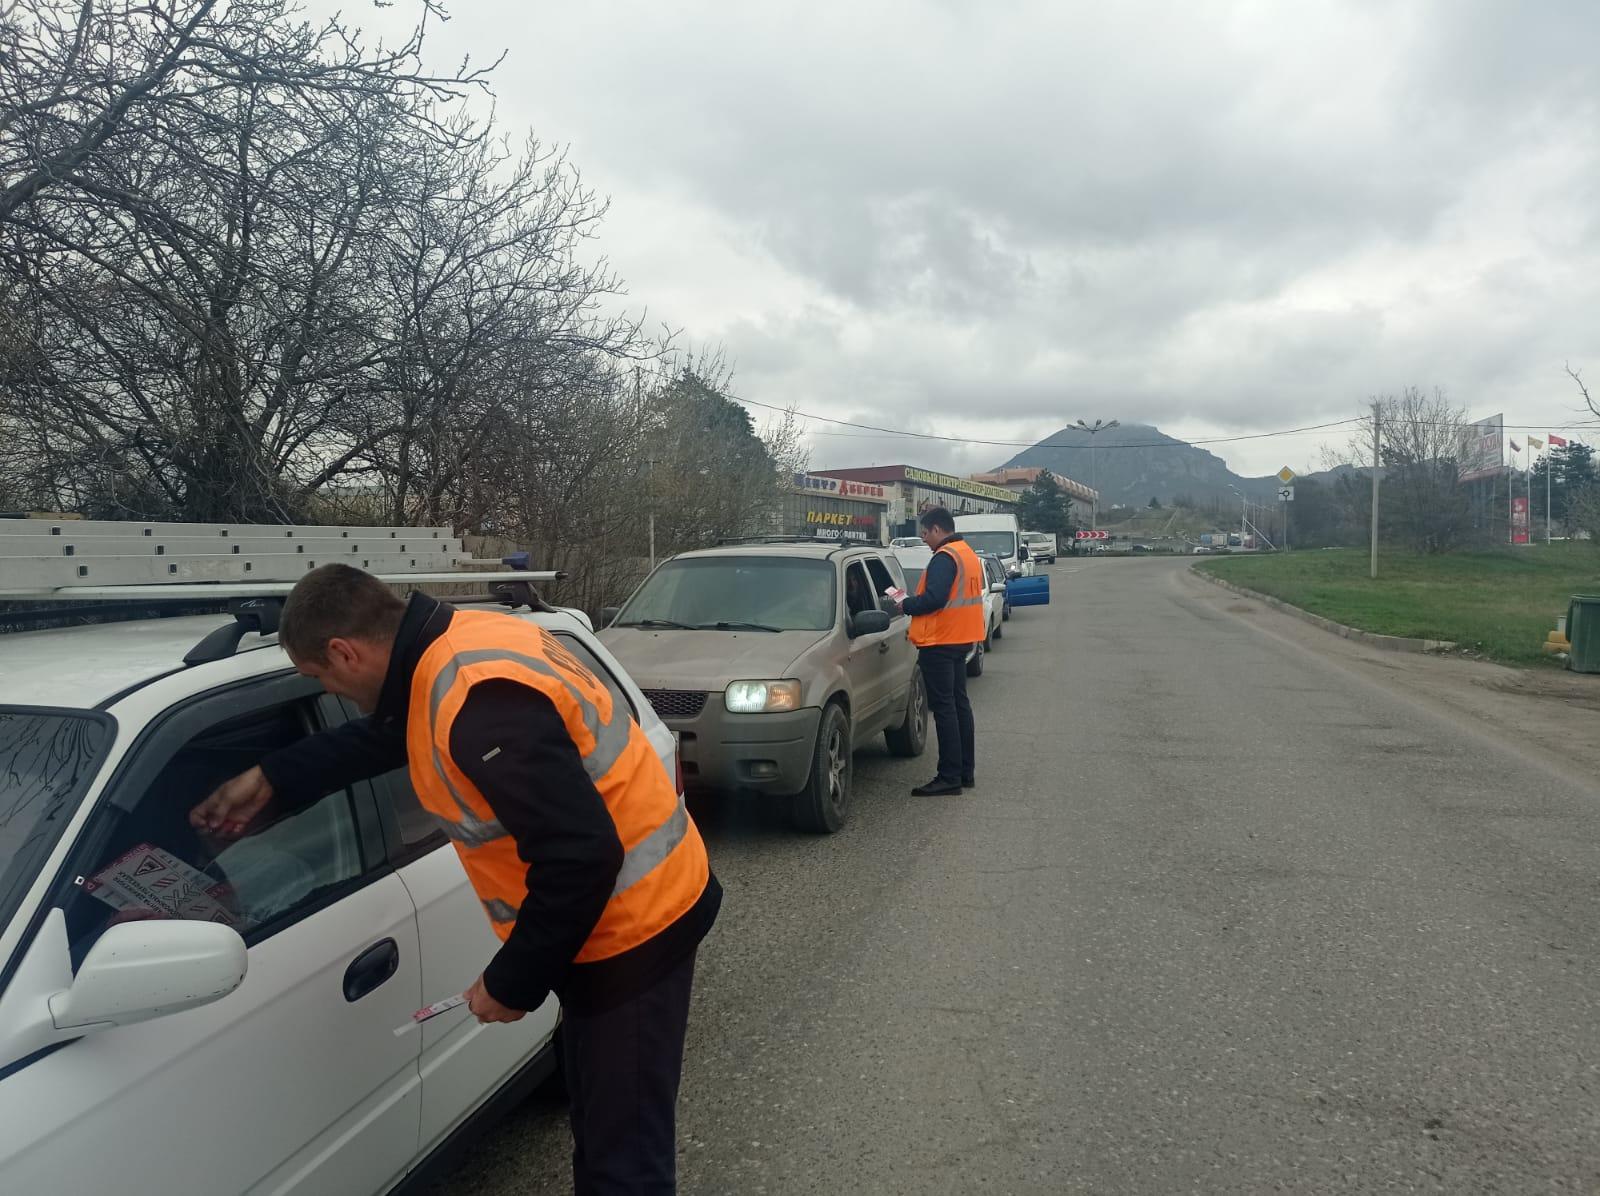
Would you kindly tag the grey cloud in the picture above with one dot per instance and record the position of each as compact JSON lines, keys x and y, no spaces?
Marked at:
{"x":1244,"y":214}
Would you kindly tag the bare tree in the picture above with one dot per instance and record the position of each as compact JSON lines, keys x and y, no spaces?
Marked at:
{"x":76,"y":75}
{"x":1424,"y":504}
{"x":1577,"y":378}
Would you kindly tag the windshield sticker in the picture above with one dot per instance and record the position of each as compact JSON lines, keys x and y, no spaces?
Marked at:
{"x":155,"y":882}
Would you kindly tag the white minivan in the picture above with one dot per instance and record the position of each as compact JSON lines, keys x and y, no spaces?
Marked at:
{"x":997,"y":535}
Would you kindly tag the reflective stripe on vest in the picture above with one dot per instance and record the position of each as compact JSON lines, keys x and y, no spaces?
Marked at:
{"x":664,"y":868}
{"x":960,"y":620}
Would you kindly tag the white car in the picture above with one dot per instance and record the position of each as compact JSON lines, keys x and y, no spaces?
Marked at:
{"x":1041,"y":547}
{"x":248,"y":1039}
{"x":912,"y":563}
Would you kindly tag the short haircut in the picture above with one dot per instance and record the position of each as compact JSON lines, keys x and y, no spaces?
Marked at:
{"x":337,"y":602}
{"x":938,"y":517}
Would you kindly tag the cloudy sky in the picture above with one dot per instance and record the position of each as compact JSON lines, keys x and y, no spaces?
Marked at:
{"x":987,"y":220}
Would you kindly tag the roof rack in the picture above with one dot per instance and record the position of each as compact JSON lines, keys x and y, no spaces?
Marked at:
{"x":41,"y":557}
{"x":729,"y":541}
{"x":93,"y":568}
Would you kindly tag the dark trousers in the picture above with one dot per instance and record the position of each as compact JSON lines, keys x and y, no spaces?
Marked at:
{"x":944,"y":672}
{"x":622,"y":1070}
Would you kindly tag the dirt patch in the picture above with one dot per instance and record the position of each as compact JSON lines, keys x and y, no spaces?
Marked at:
{"x":1571,"y":689}
{"x":1242,"y":608}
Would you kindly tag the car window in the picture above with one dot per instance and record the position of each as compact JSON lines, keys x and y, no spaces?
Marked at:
{"x":913,"y":577}
{"x":149,"y":862}
{"x":784,"y":593}
{"x":858,"y":596}
{"x":47,"y":759}
{"x":999,"y":543}
{"x":881,"y":578}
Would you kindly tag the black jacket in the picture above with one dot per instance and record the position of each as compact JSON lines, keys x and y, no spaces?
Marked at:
{"x":536,"y":784}
{"x":941,"y":579}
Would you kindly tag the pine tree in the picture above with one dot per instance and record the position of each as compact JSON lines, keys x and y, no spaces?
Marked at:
{"x":1044,"y":508}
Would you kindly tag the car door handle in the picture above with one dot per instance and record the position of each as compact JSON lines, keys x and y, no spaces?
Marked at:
{"x":370,"y":969}
{"x":883,"y":647}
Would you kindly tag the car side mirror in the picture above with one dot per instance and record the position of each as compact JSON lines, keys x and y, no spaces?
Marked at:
{"x":869,"y":622}
{"x":1022,"y":552}
{"x":143,"y":970}
{"x":998,"y":587}
{"x":608,"y":615}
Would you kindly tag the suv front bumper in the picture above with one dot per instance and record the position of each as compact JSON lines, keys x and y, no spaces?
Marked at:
{"x":766,"y":753}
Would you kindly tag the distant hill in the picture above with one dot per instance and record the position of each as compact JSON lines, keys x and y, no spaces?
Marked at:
{"x":1134,"y":463}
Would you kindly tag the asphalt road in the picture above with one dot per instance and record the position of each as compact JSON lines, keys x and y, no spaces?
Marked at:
{"x":1221,"y":916}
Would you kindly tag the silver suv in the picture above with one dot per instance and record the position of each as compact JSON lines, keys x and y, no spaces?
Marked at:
{"x":773,"y":661}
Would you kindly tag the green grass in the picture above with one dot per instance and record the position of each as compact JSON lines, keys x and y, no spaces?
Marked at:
{"x":1501,"y":603}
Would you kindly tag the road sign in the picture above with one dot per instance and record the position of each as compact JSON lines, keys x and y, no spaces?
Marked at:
{"x":1095,"y":535}
{"x":1286,"y":493}
{"x":1286,"y":475}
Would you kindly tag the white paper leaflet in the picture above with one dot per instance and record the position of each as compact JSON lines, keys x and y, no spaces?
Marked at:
{"x":152,"y":881}
{"x":430,"y":1011}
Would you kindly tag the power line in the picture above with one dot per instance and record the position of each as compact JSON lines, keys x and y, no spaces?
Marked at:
{"x":1034,"y":444}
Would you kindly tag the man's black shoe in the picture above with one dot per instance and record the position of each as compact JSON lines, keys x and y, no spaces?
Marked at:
{"x":936,"y":788}
{"x":969,"y":782}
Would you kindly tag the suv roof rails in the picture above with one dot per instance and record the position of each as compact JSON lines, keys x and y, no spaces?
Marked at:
{"x":730,"y":541}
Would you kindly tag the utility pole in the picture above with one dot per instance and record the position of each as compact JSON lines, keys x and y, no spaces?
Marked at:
{"x":1377,"y":435}
{"x":650,"y":464}
{"x":1094,"y":483}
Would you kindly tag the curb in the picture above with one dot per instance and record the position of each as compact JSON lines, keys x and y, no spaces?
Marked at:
{"x":1390,"y":643}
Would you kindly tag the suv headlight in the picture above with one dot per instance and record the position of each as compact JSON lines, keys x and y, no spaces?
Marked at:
{"x":754,"y":697}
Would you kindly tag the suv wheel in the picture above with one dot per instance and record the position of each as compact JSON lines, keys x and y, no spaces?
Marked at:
{"x":911,"y":736}
{"x":975,"y":664}
{"x":821,"y":807}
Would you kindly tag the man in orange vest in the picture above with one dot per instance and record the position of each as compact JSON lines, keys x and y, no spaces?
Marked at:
{"x":946,"y":620}
{"x":574,"y":837}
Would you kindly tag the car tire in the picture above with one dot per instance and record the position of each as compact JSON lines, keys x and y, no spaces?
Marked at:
{"x":911,"y":736}
{"x":823,"y":805}
{"x":975,"y":665}
{"x":1005,"y":612}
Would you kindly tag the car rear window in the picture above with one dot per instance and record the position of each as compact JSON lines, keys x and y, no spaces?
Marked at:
{"x":47,"y":759}
{"x":782,"y":593}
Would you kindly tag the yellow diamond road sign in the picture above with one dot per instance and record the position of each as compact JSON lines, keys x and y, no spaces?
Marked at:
{"x":1285,"y":475}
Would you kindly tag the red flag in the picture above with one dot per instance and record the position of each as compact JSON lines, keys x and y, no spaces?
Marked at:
{"x":1557,"y":441}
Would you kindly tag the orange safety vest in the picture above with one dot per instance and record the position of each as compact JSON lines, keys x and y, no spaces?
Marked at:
{"x":960,"y":620}
{"x":664,"y":865}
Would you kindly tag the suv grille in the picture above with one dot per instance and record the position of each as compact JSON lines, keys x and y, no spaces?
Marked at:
{"x":676,"y":703}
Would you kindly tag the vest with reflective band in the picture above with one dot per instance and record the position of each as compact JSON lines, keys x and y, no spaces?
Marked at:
{"x":960,"y":620}
{"x":664,"y":868}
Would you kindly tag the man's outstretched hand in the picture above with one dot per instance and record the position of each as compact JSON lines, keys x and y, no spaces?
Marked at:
{"x":486,"y":1009}
{"x":229,"y":811}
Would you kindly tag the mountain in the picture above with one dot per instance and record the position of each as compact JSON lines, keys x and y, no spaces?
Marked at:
{"x":1133,"y":463}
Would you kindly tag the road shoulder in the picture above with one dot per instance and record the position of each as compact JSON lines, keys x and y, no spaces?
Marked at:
{"x":1546,"y":715}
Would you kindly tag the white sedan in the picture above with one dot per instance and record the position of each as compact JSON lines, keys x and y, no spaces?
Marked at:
{"x":179,"y":1014}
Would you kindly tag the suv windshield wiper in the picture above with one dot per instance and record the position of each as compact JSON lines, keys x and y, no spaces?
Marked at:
{"x":736,"y":626}
{"x":675,"y":626}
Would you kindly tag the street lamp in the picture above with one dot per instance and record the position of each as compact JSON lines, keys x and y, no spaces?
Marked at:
{"x":1244,"y":511}
{"x":1097,"y":426}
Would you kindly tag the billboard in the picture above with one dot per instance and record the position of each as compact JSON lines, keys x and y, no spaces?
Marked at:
{"x":1482,"y":454}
